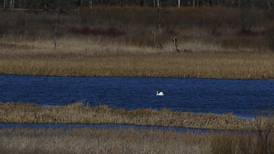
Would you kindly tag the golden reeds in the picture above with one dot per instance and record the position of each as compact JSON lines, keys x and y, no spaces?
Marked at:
{"x":183,"y":65}
{"x":78,"y":113}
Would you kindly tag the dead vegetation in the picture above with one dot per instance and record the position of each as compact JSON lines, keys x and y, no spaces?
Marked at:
{"x":131,"y":41}
{"x":79,"y":113}
{"x":84,"y":141}
{"x":102,"y":141}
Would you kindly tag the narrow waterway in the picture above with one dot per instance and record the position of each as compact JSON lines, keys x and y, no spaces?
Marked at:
{"x":246,"y":98}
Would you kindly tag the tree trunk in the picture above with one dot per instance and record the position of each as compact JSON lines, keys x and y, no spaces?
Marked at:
{"x":239,"y":3}
{"x":12,"y":4}
{"x":81,"y":3}
{"x":193,"y":3}
{"x":90,"y":3}
{"x":158,"y":3}
{"x":269,"y":4}
{"x":179,"y":3}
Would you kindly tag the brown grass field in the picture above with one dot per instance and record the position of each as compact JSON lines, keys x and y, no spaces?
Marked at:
{"x":184,"y":65}
{"x":113,"y":41}
{"x":94,"y":141}
{"x":122,"y":141}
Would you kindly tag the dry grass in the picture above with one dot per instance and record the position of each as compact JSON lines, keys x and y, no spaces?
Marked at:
{"x":84,"y":141}
{"x":81,"y":114}
{"x":115,"y":60}
{"x":125,"y":42}
{"x":211,"y":26}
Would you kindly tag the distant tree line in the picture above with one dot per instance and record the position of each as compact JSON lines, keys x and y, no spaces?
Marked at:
{"x":66,"y":4}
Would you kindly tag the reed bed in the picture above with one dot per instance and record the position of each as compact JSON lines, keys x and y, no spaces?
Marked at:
{"x":122,"y":141}
{"x":78,"y":113}
{"x":102,"y":141}
{"x":84,"y":141}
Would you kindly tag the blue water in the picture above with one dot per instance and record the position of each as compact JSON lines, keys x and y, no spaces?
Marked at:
{"x":246,"y":98}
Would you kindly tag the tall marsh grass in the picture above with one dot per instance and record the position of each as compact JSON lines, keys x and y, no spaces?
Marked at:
{"x":81,"y":114}
{"x":122,"y":141}
{"x":86,"y":141}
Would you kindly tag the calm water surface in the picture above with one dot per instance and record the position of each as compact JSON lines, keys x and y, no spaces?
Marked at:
{"x":242,"y":97}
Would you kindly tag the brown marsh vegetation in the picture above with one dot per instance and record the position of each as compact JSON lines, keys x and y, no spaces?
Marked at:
{"x":79,"y":113}
{"x":103,"y":141}
{"x":212,"y":42}
{"x":201,"y":42}
{"x":200,"y":65}
{"x":89,"y":141}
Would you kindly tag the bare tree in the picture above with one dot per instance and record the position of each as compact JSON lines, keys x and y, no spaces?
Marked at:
{"x":158,"y":3}
{"x":11,"y":4}
{"x":269,"y":4}
{"x":158,"y":31}
{"x":175,"y":43}
{"x":81,"y":3}
{"x":4,"y":5}
{"x":90,"y":3}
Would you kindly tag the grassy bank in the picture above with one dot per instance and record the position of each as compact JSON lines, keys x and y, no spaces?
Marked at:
{"x":111,"y":41}
{"x":81,"y":114}
{"x":141,"y":62}
{"x":83,"y":141}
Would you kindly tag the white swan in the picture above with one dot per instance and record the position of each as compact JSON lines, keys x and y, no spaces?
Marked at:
{"x":160,"y":93}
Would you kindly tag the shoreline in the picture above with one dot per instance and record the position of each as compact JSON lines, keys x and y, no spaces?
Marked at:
{"x":79,"y":113}
{"x":126,"y":127}
{"x":141,"y":77}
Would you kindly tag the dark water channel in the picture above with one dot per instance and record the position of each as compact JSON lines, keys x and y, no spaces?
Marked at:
{"x":246,"y":98}
{"x":68,"y":127}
